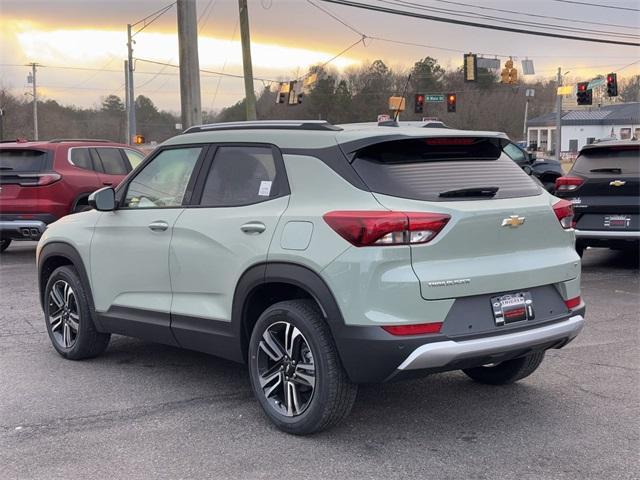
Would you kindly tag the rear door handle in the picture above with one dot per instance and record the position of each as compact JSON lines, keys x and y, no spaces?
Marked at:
{"x":158,"y":226}
{"x":253,"y":228}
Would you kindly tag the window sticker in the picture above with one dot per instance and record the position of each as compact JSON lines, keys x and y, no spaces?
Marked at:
{"x":265,"y":188}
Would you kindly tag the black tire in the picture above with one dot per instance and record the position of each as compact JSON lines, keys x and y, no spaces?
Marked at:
{"x":506,"y":372}
{"x":4,"y":244}
{"x":332,"y":395}
{"x":87,"y":341}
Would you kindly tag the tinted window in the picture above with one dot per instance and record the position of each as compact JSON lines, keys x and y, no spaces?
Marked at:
{"x":163,"y":182}
{"x":625,"y":159}
{"x":81,"y":157}
{"x":22,"y":160}
{"x":422,"y":169}
{"x":240,"y":176}
{"x":112,"y":161}
{"x":135,"y":158}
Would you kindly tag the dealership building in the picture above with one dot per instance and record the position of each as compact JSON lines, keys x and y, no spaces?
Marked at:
{"x":581,"y":127}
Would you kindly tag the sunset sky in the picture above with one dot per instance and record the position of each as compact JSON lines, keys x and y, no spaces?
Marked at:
{"x":67,"y":36}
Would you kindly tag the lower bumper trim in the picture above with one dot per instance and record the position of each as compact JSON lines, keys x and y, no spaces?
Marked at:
{"x":608,"y":234}
{"x":440,"y":354}
{"x":22,"y":229}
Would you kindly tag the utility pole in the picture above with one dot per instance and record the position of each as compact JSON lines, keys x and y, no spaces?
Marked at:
{"x":558,"y":116}
{"x":130,"y":100}
{"x":127,"y":130}
{"x":1,"y":124}
{"x":32,"y":77}
{"x":250,"y":96}
{"x":190,"y":101}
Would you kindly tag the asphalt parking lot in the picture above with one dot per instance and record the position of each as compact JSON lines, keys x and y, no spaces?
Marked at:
{"x":150,"y":411}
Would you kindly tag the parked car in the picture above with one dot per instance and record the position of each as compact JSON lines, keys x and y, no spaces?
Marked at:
{"x":41,"y":182}
{"x":546,"y":170}
{"x":324,"y":258}
{"x":604,"y":187}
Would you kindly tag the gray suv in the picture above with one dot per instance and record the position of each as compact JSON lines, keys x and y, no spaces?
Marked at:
{"x":322,"y":256}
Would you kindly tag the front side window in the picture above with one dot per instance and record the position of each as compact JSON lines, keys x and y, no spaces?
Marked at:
{"x":163,"y":182}
{"x":112,"y":161}
{"x":240,"y":176}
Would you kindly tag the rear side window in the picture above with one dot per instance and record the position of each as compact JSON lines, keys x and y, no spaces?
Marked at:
{"x":240,"y":176}
{"x":81,"y":157}
{"x":443,"y":169}
{"x":14,"y":160}
{"x":613,"y":160}
{"x":135,"y":158}
{"x":113,"y":162}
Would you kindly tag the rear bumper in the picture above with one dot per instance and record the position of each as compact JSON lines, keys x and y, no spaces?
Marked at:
{"x":440,"y":354}
{"x":22,"y":229}
{"x":371,"y":355}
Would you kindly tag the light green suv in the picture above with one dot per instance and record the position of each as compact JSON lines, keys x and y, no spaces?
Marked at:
{"x":323,"y":257}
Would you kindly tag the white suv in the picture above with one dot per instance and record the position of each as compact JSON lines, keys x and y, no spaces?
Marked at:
{"x":322,"y":256}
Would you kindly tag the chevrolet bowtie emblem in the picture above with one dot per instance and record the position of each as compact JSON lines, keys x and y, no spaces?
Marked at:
{"x":514,"y":221}
{"x":617,"y":183}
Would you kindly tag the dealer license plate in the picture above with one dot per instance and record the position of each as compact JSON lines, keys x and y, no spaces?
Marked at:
{"x":513,"y":307}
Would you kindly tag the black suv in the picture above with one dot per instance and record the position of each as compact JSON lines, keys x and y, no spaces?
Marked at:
{"x":604,"y":186}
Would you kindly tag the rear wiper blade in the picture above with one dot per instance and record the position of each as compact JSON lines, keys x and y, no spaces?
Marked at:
{"x":6,"y":168}
{"x":471,"y":192}
{"x":607,"y":170}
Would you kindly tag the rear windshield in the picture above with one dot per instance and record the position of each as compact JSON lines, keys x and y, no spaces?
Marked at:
{"x":443,"y":170}
{"x":617,"y":160}
{"x":22,"y":160}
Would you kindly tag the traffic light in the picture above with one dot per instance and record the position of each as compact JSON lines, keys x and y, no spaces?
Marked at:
{"x":509,"y":74}
{"x":451,"y":102}
{"x":283,"y":92}
{"x":612,"y":85}
{"x":138,"y":139}
{"x":419,"y":103}
{"x":584,"y":96}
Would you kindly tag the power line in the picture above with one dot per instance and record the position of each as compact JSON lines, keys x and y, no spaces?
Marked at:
{"x":206,"y":71}
{"x":511,"y":21}
{"x":615,"y":7}
{"x":529,"y":14}
{"x":157,"y":14}
{"x":335,"y":17}
{"x":377,"y":8}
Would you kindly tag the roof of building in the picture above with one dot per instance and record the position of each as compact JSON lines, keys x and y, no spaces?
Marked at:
{"x":615,"y":114}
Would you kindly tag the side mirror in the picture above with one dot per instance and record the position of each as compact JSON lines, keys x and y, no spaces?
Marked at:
{"x":103,"y":200}
{"x":527,"y":169}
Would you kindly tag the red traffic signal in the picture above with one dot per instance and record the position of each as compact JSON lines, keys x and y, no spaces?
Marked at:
{"x":584,"y":96}
{"x":419,"y":103}
{"x":451,"y":102}
{"x":612,"y":85}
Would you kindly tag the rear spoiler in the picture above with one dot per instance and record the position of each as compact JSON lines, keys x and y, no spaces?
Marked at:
{"x":352,"y":149}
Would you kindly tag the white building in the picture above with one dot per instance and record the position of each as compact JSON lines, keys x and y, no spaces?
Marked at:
{"x":581,"y":127}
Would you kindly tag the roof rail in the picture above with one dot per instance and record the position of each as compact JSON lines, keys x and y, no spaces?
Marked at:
{"x":62,"y":140}
{"x":321,"y":125}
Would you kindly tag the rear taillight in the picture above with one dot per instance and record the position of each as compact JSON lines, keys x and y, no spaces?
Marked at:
{"x":573,"y":302}
{"x":375,"y":228}
{"x":564,"y":211}
{"x":38,"y":179}
{"x":568,"y":184}
{"x":418,"y":329}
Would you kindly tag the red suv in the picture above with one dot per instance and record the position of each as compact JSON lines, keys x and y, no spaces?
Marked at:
{"x":41,"y":182}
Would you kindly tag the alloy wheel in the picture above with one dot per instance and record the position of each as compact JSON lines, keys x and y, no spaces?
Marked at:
{"x":286,"y":369}
{"x":64,"y":315}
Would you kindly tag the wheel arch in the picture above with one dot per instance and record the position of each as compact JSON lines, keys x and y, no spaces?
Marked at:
{"x":263,"y":285}
{"x":57,"y":254}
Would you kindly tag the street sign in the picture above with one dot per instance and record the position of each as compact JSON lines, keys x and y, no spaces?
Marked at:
{"x":596,"y":82}
{"x":434,"y":98}
{"x":396,"y":104}
{"x":529,"y":92}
